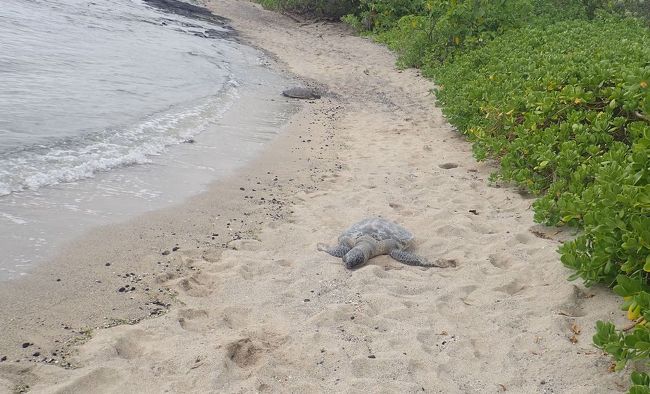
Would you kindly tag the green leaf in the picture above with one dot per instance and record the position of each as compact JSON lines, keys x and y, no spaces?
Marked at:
{"x":646,"y":266}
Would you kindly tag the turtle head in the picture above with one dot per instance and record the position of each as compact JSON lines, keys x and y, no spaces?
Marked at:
{"x":357,"y":255}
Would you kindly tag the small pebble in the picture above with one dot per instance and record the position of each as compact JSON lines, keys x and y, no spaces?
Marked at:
{"x":175,"y":248}
{"x":3,"y":358}
{"x":26,"y":345}
{"x":166,"y":252}
{"x":36,"y":354}
{"x":372,"y":356}
{"x":121,"y":290}
{"x":307,"y":300}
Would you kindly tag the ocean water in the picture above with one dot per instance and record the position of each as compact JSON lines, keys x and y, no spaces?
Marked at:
{"x":111,"y":109}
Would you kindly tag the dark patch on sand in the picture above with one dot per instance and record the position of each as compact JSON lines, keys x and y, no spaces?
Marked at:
{"x":195,"y":12}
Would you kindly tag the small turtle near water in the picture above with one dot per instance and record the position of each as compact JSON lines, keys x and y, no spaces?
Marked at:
{"x":302,"y":93}
{"x":376,"y":236}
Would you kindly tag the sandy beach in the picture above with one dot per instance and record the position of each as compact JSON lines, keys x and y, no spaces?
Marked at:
{"x":228,"y":293}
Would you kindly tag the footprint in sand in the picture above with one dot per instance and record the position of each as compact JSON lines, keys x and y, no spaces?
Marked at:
{"x":127,"y":346}
{"x":247,"y":244}
{"x":244,"y":352}
{"x":192,"y":319}
{"x":500,"y":261}
{"x":247,"y":351}
{"x":431,"y":342}
{"x":572,"y":307}
{"x":235,"y":317}
{"x":512,"y":287}
{"x":197,"y":285}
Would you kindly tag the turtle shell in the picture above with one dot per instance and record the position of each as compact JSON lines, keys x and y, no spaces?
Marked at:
{"x":379,"y":229}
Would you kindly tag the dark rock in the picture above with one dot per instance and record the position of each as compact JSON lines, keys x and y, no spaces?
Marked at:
{"x":166,"y":252}
{"x":474,"y":211}
{"x":26,"y":345}
{"x":175,"y":248}
{"x":3,"y":358}
{"x":306,"y":300}
{"x":36,"y":354}
{"x":301,"y":93}
{"x":372,"y":356}
{"x":121,"y":289}
{"x":107,"y":264}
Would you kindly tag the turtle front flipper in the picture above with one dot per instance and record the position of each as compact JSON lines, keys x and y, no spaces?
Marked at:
{"x":336,"y":251}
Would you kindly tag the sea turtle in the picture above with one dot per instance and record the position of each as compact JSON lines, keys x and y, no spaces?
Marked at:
{"x":376,"y":236}
{"x":302,"y":93}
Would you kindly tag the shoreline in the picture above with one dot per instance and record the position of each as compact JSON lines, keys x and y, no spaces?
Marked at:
{"x":248,"y":303}
{"x":154,"y":156}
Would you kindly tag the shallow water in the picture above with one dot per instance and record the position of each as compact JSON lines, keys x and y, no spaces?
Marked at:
{"x":108,"y":110}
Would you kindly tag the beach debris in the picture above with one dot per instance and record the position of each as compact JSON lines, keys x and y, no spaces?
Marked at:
{"x":576,"y":329}
{"x":377,"y":236}
{"x":301,"y":93}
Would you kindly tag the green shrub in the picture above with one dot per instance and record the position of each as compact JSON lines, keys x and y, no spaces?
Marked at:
{"x":565,"y":110}
{"x":330,"y":9}
{"x":382,"y":15}
{"x":548,"y":105}
{"x":445,"y":27}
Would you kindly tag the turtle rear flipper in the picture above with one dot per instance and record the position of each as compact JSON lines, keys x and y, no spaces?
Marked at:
{"x":419,"y":261}
{"x":410,"y":258}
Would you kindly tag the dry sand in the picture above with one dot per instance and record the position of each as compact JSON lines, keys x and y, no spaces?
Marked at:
{"x":253,"y":306}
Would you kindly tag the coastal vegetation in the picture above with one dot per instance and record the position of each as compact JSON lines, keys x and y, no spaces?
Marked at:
{"x":558,"y":94}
